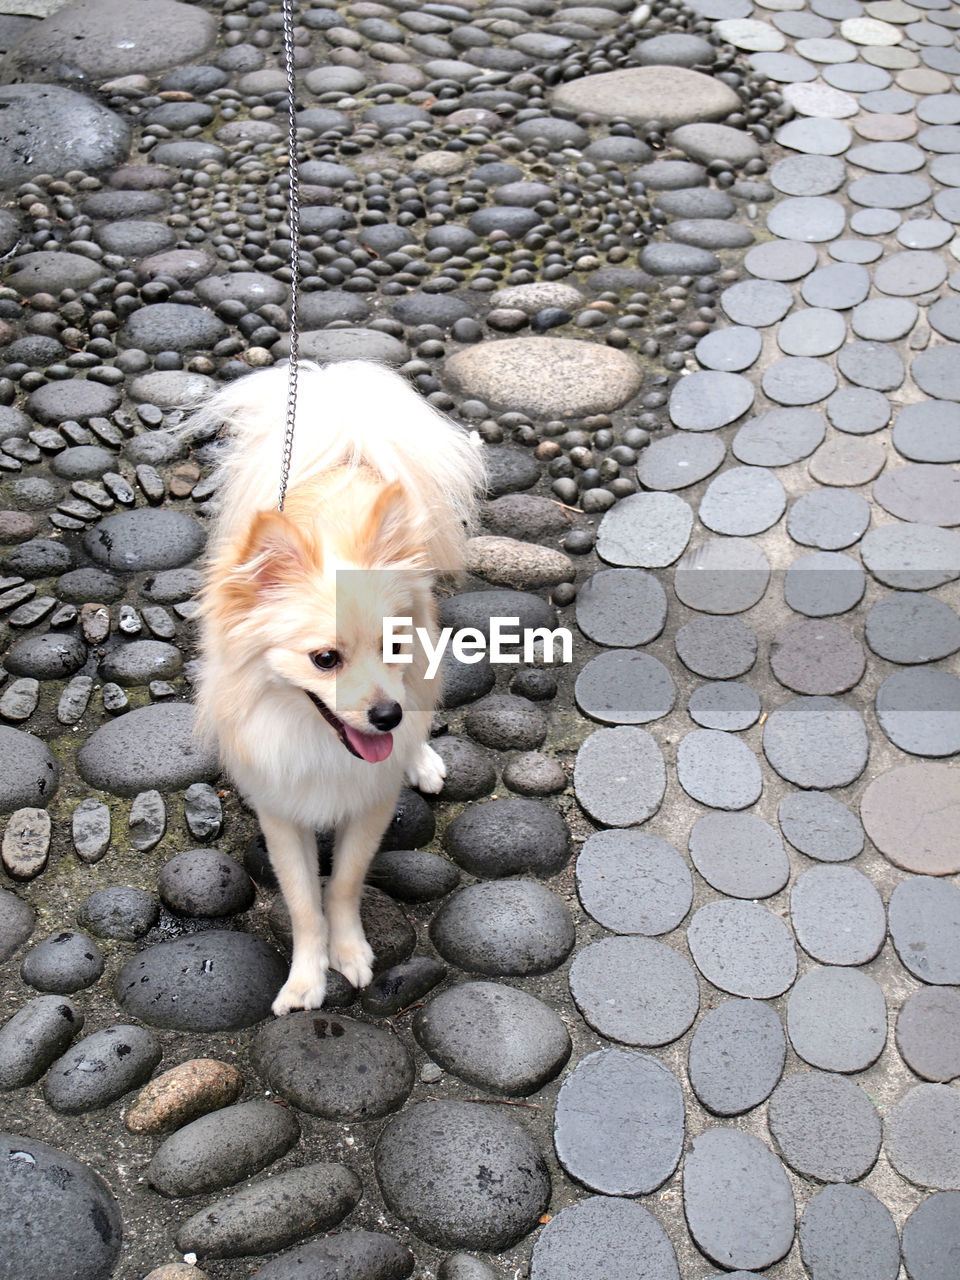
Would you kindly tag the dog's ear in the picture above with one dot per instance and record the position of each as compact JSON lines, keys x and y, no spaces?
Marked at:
{"x":387,"y":535}
{"x":278,"y":552}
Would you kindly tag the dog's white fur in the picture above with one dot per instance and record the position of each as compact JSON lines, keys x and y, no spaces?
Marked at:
{"x":379,"y":481}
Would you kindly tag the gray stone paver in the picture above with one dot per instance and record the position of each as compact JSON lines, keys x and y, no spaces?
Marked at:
{"x":790,"y":528}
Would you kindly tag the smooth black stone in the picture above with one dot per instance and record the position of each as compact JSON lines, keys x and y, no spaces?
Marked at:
{"x":696,"y":202}
{"x":37,"y":1034}
{"x":462,"y":1175}
{"x":65,"y":962}
{"x":680,"y":460}
{"x":816,"y":742}
{"x":53,"y":656}
{"x":666,"y":259}
{"x":75,"y":399}
{"x":739,"y":855}
{"x":825,"y":1126}
{"x":140,"y":661}
{"x":504,"y":928}
{"x":737,"y":1199}
{"x":928,"y":1033}
{"x":211,"y":981}
{"x":736,"y":1056}
{"x":442,"y":309}
{"x":635,"y":990}
{"x":81,"y":585}
{"x":334,"y":1067}
{"x":619,"y":1123}
{"x":846,"y":1231}
{"x":622,"y":686}
{"x":43,"y":1185}
{"x":743,"y":948}
{"x":401,"y":986}
{"x":924,"y":916}
{"x":505,"y":722}
{"x":504,"y":1040}
{"x":83,"y":462}
{"x":919,"y":711}
{"x":922,"y":1136}
{"x":464,"y":1266}
{"x":633,"y":882}
{"x":366,"y":1255}
{"x":464,"y":682}
{"x":603,"y":1236}
{"x":838,"y":915}
{"x":620,"y":776}
{"x":837,"y":1019}
{"x":820,"y":826}
{"x":716,"y":648}
{"x":621,"y":607}
{"x":151,"y":747}
{"x":828,"y":519}
{"x":931,"y":1237}
{"x":222,"y":1147}
{"x":16,"y":922}
{"x":171,"y":326}
{"x":718,"y":769}
{"x":119,"y":912}
{"x":272,"y":1213}
{"x":503,"y":837}
{"x":205,"y":882}
{"x":101,"y":1068}
{"x":413,"y":875}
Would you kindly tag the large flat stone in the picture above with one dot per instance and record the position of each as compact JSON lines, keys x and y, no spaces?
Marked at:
{"x":672,"y":95}
{"x":47,"y":129}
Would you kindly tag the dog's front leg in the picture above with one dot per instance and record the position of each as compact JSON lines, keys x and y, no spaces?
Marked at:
{"x":293,"y":854}
{"x":357,"y":842}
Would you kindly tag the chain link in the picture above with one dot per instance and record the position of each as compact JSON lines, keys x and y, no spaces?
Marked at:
{"x":288,"y":8}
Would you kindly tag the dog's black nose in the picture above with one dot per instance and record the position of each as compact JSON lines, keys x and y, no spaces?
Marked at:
{"x":385,"y":715}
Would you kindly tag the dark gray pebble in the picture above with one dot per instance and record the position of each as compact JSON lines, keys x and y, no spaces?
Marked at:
{"x":16,"y":919}
{"x":825,"y":1126}
{"x":505,"y":722}
{"x":141,"y":661}
{"x":101,"y":1068}
{"x":401,"y":986}
{"x":35,"y":1036}
{"x":38,"y":558}
{"x":53,"y":656}
{"x":149,"y":747}
{"x":413,"y":875}
{"x":144,"y":539}
{"x":506,"y":927}
{"x":205,"y":882}
{"x":362,"y":1255}
{"x":470,"y":771}
{"x":503,"y":837}
{"x":65,"y":962}
{"x":847,"y":1231}
{"x":222,"y":1148}
{"x":82,"y":585}
{"x":119,"y":912}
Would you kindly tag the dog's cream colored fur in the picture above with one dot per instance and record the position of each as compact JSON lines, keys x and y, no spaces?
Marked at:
{"x":382,"y":490}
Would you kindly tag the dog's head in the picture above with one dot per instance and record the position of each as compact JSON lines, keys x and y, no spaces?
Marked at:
{"x":307,"y":597}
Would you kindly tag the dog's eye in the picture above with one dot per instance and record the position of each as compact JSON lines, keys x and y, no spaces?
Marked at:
{"x":326,"y":659}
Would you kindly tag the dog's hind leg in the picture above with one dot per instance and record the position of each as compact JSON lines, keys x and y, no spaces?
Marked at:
{"x":293,"y":854}
{"x":357,"y":842}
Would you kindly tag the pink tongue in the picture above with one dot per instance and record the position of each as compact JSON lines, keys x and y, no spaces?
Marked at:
{"x":372,"y":747}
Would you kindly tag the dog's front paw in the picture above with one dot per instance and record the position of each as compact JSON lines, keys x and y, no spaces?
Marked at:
{"x":300,"y":993}
{"x":352,"y":956}
{"x":428,"y":771}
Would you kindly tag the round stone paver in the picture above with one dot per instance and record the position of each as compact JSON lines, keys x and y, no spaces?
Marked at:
{"x":462,"y":1175}
{"x":621,"y":607}
{"x":757,"y":302}
{"x":921,"y":491}
{"x":928,"y":431}
{"x":633,"y":882}
{"x":931,"y":1237}
{"x":837,"y":1019}
{"x":635,"y":990}
{"x":718,"y":769}
{"x":820,"y":826}
{"x":871,"y":364}
{"x":924,"y":916}
{"x":823,"y":583}
{"x":815,"y":331}
{"x":619,"y":1123}
{"x":722,"y":575}
{"x":779,"y":437}
{"x":603,"y":1236}
{"x":775,"y":260}
{"x":828,"y":519}
{"x":919,"y":711}
{"x":817,"y":657}
{"x":743,"y":501}
{"x":546,"y":377}
{"x":858,"y":410}
{"x":912,"y":557}
{"x":625,"y":687}
{"x":619,"y":776}
{"x":708,"y":399}
{"x":716,"y":648}
{"x":737,"y":1199}
{"x":839,"y":286}
{"x":935,"y":372}
{"x":816,"y":742}
{"x":838,"y":915}
{"x":922,"y":1136}
{"x":912,"y":814}
{"x":846,"y":1231}
{"x":928,"y":1033}
{"x":736,"y":1056}
{"x":798,"y":380}
{"x":847,"y":461}
{"x":724,"y":704}
{"x":645,"y":530}
{"x":807,"y":218}
{"x":677,"y":461}
{"x":672,"y":95}
{"x":743,"y":949}
{"x":825,"y":1126}
{"x":729,"y":350}
{"x":739,"y":855}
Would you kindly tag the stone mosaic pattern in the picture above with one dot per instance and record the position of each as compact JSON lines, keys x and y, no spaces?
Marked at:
{"x":667,"y":977}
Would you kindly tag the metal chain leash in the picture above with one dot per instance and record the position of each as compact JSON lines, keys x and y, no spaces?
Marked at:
{"x":293,"y":221}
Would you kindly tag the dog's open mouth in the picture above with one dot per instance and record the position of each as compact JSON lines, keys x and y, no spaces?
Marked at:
{"x":372,"y":747}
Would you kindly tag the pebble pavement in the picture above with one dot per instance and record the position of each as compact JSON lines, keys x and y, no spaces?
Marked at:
{"x":667,"y":978}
